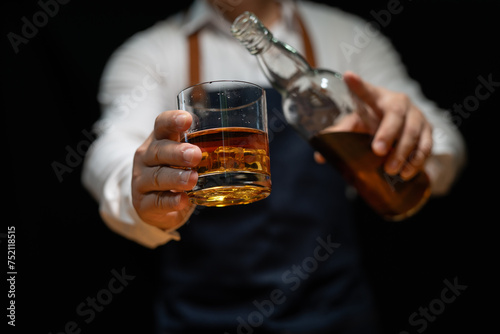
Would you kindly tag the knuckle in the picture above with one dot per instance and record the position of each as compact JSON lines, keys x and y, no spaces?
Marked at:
{"x":136,"y":175}
{"x":400,"y":104}
{"x":140,"y":152}
{"x":157,"y":171}
{"x":159,"y":200}
{"x":138,"y":185}
{"x":403,"y":99}
{"x":137,"y":200}
{"x":167,"y":201}
{"x":156,"y":148}
{"x":159,"y":121}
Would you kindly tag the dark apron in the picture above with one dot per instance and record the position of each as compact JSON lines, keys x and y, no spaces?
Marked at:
{"x":286,"y":264}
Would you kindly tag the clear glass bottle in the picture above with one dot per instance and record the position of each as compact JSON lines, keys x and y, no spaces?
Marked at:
{"x":320,"y":107}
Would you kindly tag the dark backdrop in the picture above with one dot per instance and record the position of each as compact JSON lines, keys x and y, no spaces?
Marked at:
{"x":66,"y":256}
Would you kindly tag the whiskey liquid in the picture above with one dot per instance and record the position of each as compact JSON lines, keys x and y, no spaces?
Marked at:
{"x":235,"y":166}
{"x":390,"y":196}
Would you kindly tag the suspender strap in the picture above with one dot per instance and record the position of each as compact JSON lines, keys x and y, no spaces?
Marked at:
{"x":195,"y":53}
{"x":308,"y":48}
{"x":194,"y":58}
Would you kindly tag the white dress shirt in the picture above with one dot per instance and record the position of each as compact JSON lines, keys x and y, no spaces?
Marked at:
{"x":144,"y":75}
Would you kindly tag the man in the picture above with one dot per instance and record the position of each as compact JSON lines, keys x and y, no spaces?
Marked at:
{"x":286,"y":264}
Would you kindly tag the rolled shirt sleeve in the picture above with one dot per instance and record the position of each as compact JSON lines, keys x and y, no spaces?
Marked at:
{"x":136,"y":86}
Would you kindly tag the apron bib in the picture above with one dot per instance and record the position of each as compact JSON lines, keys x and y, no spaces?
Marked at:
{"x":285,"y":264}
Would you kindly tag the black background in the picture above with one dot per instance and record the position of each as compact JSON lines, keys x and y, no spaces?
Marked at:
{"x":65,"y":253}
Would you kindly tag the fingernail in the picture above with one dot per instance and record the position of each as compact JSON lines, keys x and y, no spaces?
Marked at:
{"x":408,"y":171}
{"x":188,"y":155}
{"x":379,"y":147}
{"x":184,"y":176}
{"x":180,"y":120}
{"x":392,"y":167}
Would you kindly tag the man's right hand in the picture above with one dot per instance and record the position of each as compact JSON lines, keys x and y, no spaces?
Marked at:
{"x":161,"y":172}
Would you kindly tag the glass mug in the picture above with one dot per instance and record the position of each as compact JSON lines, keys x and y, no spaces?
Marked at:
{"x":230,"y":127}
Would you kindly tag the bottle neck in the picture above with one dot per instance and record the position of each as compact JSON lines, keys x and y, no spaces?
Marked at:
{"x":251,"y":33}
{"x":281,"y":64}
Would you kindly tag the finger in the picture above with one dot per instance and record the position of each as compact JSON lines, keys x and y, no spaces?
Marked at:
{"x":170,"y":124}
{"x":172,"y":153}
{"x":368,"y":93}
{"x":391,"y":114}
{"x":396,"y":107}
{"x":174,"y":218}
{"x":161,"y":178}
{"x":408,"y":142}
{"x":418,"y":157}
{"x":320,"y":159}
{"x":161,"y":208}
{"x":390,"y":128}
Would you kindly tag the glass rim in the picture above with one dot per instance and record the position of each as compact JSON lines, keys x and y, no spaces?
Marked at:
{"x":204,"y":83}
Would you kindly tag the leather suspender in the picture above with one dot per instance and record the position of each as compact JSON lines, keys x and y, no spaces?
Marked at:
{"x":194,"y":58}
{"x":308,"y":48}
{"x":195,"y":53}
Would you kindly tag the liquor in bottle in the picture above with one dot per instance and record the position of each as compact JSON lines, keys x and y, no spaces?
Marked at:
{"x":351,"y":154}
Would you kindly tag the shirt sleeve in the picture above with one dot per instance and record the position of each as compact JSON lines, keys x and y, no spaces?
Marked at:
{"x":133,"y":91}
